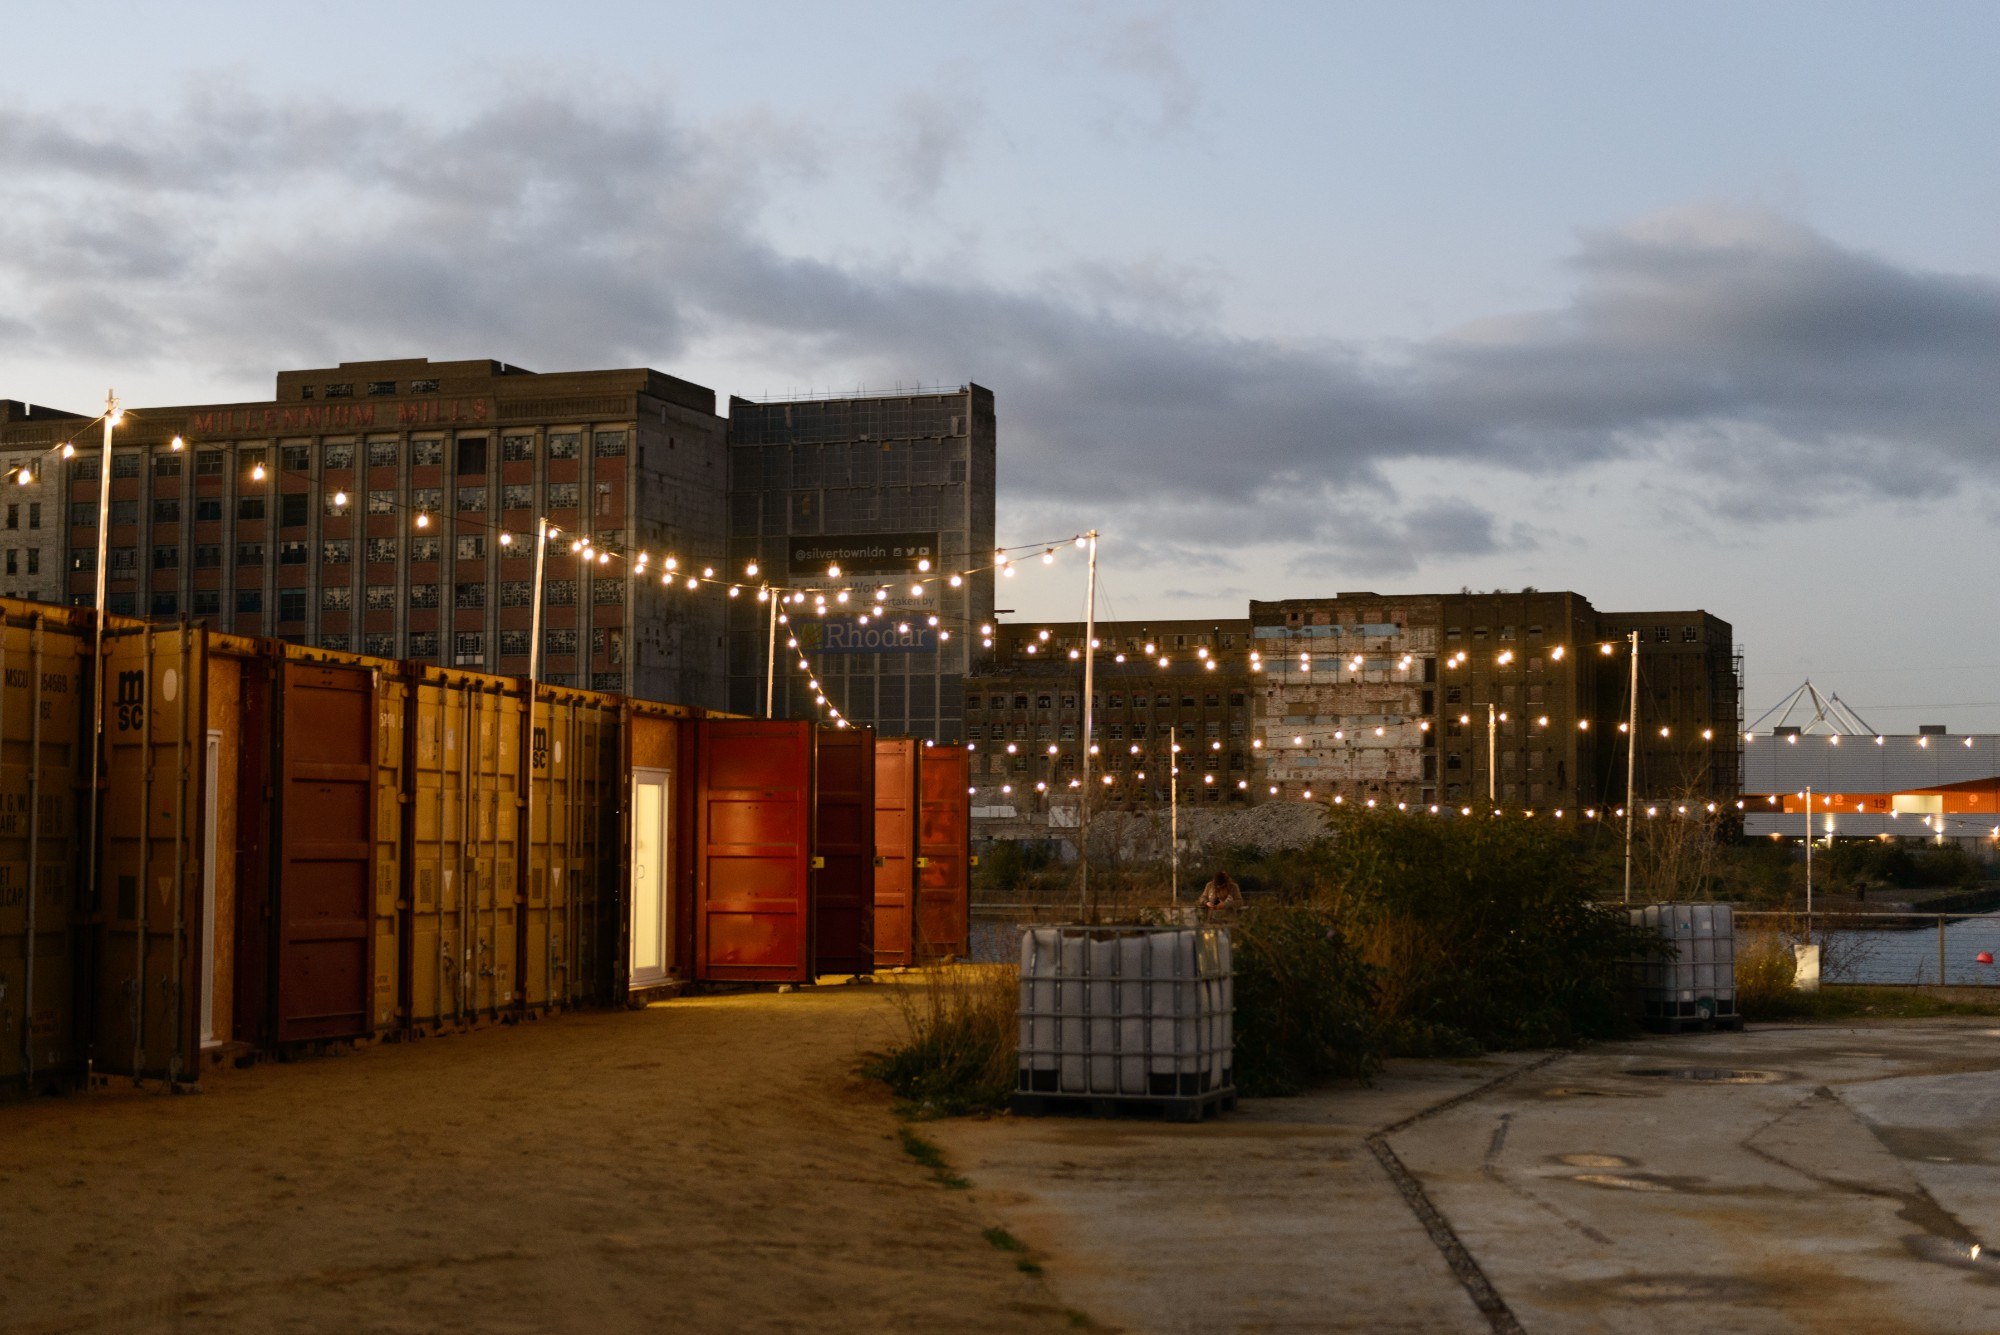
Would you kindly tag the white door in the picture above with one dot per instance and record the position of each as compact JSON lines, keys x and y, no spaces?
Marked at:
{"x":212,"y":784}
{"x":652,"y":883}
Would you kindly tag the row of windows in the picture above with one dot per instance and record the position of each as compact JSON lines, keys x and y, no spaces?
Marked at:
{"x":605,"y":592}
{"x":34,"y":515}
{"x":27,"y":561}
{"x":471,"y":455}
{"x":1163,"y":700}
{"x":293,"y":507}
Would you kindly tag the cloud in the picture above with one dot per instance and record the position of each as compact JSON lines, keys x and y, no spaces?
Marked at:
{"x":932,"y":134}
{"x":1743,"y":356}
{"x":1142,"y":48}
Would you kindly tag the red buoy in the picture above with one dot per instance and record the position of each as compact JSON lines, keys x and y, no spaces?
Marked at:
{"x":1983,"y":957}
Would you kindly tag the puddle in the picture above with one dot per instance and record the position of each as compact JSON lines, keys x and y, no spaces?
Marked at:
{"x":1574,"y":1092}
{"x":1619,"y":1182}
{"x":1595,"y":1161}
{"x":1711,"y":1075}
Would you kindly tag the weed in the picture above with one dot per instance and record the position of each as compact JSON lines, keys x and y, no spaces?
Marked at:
{"x":1004,"y":1240}
{"x":959,"y":1052}
{"x":1028,"y":1267}
{"x":931,"y":1157}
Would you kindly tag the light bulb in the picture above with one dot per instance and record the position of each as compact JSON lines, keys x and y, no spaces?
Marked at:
{"x":69,"y":450}
{"x":833,"y":572}
{"x":423,"y":520}
{"x":955,"y":581}
{"x":1049,"y":557}
{"x":340,"y":498}
{"x":924,"y":564}
{"x":751,"y":570}
{"x":256,"y":472}
{"x":916,"y":590}
{"x":177,"y":444}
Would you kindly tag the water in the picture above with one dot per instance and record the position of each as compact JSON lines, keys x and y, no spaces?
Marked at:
{"x":1871,"y":955}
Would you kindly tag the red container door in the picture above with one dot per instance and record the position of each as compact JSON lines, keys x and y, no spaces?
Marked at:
{"x":944,"y":855}
{"x":326,"y":851}
{"x":843,"y":879}
{"x":753,"y":914}
{"x":895,"y":849}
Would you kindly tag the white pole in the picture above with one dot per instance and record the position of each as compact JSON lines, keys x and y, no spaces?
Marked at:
{"x":97,"y":649}
{"x":1492,"y":754}
{"x":1174,"y":815}
{"x":1089,"y":684}
{"x":535,"y":615}
{"x":770,"y":650}
{"x":1631,"y":764}
{"x":1809,"y":844}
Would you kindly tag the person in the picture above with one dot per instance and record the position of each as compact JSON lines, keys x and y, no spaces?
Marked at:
{"x":1221,"y":897}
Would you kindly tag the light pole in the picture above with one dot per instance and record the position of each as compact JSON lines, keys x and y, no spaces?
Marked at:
{"x":112,"y":414}
{"x":1631,"y":763}
{"x":1089,"y":682}
{"x":1492,"y":752}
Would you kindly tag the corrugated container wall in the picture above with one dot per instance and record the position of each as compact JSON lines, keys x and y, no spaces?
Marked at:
{"x":896,"y":804}
{"x":944,"y":855}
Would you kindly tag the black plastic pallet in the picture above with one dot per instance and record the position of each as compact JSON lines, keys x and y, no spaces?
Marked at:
{"x":1188,"y":1109}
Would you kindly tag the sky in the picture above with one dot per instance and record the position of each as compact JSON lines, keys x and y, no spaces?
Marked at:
{"x":1690,"y":305}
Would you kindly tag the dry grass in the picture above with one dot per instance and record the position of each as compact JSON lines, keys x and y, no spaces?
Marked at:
{"x":1765,"y":971}
{"x":961,"y":1031}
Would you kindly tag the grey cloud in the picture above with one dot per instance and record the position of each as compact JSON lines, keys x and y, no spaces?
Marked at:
{"x":1743,"y":352}
{"x":1142,"y":48}
{"x":932,"y":134}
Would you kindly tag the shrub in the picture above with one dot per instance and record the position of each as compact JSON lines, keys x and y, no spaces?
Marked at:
{"x":1483,"y":933}
{"x":1765,"y":970}
{"x":1305,"y":1002}
{"x":959,"y":1053}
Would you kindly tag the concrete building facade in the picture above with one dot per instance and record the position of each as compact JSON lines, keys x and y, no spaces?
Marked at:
{"x":893,"y":491}
{"x":363,"y":507}
{"x":31,"y":501}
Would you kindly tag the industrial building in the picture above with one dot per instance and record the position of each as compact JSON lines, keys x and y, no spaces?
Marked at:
{"x":852,"y":495}
{"x":1932,"y":784}
{"x":1521,"y":700}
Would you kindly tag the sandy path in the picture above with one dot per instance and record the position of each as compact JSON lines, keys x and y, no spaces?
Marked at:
{"x":710,"y":1164}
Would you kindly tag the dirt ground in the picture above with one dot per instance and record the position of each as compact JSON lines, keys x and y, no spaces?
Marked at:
{"x":709,"y":1164}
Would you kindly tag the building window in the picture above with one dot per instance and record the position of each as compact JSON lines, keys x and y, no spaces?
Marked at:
{"x":83,"y":559}
{"x":379,"y":598}
{"x":13,"y":516}
{"x":84,"y":470}
{"x":83,"y":514}
{"x":208,"y":510}
{"x":472,"y":456}
{"x":519,"y":496}
{"x":205,"y":602}
{"x":382,"y":644}
{"x":382,"y":454}
{"x":340,"y":391}
{"x":381,"y":502}
{"x":424,"y":549}
{"x":292,"y":509}
{"x":208,"y":463}
{"x":336,"y":598}
{"x":382,"y":551}
{"x":125,"y":463}
{"x":1661,"y":634}
{"x":472,"y":499}
{"x":607,"y":681}
{"x":471,"y":547}
{"x":34,"y":514}
{"x":291,"y":604}
{"x":607,"y":444}
{"x":559,"y":593}
{"x":423,"y":644}
{"x":423,"y":595}
{"x":250,"y":507}
{"x":1455,"y":761}
{"x":514,"y":642}
{"x":516,"y":449}
{"x":515,"y":593}
{"x":423,"y":387}
{"x":469,"y":597}
{"x":608,"y":643}
{"x":564,"y":444}
{"x":338,"y":503}
{"x":561,"y":642}
{"x":292,"y":553}
{"x":208,"y":556}
{"x":295,"y":458}
{"x":379,"y":387}
{"x":424,"y":452}
{"x":166,"y":603}
{"x":336,"y":639}
{"x":124,"y":512}
{"x":121,"y":604}
{"x":562,"y":495}
{"x":250,"y":600}
{"x":337,"y":456}
{"x":164,"y":558}
{"x":608,"y":592}
{"x":166,"y":512}
{"x":336,"y":552}
{"x":167,"y":465}
{"x":249,"y":553}
{"x":427,"y":498}
{"x":1690,"y":635}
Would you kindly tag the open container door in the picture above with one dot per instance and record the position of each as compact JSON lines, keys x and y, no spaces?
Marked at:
{"x":843,"y":870}
{"x":944,"y":855}
{"x":753,"y":908}
{"x":41,"y":684}
{"x":895,"y":849}
{"x":325,"y":890}
{"x":146,"y":1013}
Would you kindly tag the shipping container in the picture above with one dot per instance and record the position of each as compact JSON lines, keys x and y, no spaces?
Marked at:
{"x":658,"y":875}
{"x":570,"y":940}
{"x":896,"y":803}
{"x":944,"y":855}
{"x":462,"y":733}
{"x":843,"y":865}
{"x":147,"y":921}
{"x":753,"y":907}
{"x":42,"y":681}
